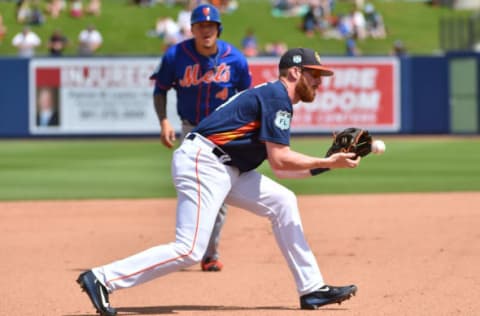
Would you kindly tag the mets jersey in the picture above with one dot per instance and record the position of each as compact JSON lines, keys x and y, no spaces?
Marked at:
{"x":201,"y":83}
{"x":245,"y":122}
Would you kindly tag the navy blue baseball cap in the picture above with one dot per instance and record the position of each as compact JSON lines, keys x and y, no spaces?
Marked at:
{"x":206,"y":13}
{"x":304,"y":58}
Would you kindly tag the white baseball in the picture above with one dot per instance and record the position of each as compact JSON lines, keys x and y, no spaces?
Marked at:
{"x":378,"y":147}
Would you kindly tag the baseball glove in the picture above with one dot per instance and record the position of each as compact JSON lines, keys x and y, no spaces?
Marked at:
{"x":351,"y":140}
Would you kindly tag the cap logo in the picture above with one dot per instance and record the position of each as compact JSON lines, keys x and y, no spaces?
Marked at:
{"x":206,"y":11}
{"x":317,"y":57}
{"x":297,"y":59}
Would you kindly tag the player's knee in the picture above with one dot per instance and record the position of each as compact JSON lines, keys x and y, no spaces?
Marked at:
{"x":190,"y":256}
{"x":286,"y":198}
{"x":196,"y":255}
{"x":191,"y":253}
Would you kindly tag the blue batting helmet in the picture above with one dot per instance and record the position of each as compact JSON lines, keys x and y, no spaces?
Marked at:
{"x":206,"y":13}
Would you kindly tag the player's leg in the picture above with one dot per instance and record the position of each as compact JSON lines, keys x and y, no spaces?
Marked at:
{"x":265,"y":197}
{"x":199,"y":190}
{"x":210,"y":261}
{"x":201,"y":184}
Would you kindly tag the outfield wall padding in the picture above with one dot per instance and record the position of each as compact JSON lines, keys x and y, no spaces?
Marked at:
{"x":424,"y":90}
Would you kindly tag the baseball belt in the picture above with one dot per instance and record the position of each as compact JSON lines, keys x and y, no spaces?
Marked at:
{"x":205,"y":143}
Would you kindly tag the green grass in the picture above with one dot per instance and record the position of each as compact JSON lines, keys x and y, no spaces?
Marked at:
{"x":124,"y":27}
{"x":84,"y":169}
{"x":140,"y":168}
{"x":414,"y":165}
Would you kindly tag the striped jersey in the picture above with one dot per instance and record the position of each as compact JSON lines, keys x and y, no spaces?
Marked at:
{"x":244,"y":123}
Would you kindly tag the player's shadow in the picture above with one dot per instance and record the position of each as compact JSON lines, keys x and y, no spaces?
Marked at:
{"x":174,"y":309}
{"x":152,"y":310}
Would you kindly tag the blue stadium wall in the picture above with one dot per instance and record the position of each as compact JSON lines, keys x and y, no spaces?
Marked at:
{"x":425,"y":96}
{"x":14,"y":97}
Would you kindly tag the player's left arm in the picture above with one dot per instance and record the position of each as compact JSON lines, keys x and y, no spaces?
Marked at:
{"x":282,"y":158}
{"x":292,"y":174}
{"x":286,"y":163}
{"x":164,"y":77}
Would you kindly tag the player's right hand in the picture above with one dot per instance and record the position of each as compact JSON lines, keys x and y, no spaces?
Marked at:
{"x":343,"y":160}
{"x":167,"y":134}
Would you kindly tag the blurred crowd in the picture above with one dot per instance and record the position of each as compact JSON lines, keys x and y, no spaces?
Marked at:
{"x":35,"y":13}
{"x":361,"y":22}
{"x":318,"y":17}
{"x":251,"y":48}
{"x":225,"y":6}
{"x":173,"y":30}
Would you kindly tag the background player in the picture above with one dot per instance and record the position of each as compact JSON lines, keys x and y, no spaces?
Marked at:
{"x":205,"y":72}
{"x":216,"y":163}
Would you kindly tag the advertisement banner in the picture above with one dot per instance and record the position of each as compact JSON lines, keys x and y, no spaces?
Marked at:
{"x":95,"y":96}
{"x":364,"y":92}
{"x":114,"y":96}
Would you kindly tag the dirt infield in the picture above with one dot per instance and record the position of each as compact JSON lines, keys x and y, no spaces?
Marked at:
{"x":409,"y":254}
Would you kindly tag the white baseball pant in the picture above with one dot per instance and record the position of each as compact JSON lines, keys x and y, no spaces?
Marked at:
{"x":203,"y":183}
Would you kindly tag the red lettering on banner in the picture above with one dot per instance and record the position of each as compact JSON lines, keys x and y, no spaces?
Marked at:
{"x":360,"y":93}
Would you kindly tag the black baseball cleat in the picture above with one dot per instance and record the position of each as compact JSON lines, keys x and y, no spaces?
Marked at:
{"x":327,"y":295}
{"x":97,"y":293}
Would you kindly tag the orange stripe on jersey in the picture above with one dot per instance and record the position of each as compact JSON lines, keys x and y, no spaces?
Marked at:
{"x":226,"y":137}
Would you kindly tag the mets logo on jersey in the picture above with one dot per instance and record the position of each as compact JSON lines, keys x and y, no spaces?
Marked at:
{"x":282,"y":120}
{"x":193,"y":77}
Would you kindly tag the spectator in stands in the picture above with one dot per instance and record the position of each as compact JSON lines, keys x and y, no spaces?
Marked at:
{"x":289,"y":8}
{"x":144,"y":3}
{"x":90,"y":41}
{"x":359,"y":24}
{"x":351,"y":45}
{"x":23,"y":11}
{"x":76,"y":9}
{"x":374,"y":22}
{"x":47,"y":107}
{"x":345,"y":26}
{"x":168,"y":30}
{"x":249,"y":44}
{"x":225,"y":6}
{"x":3,"y":29}
{"x":36,"y":15}
{"x":398,"y":49}
{"x":94,"y":7}
{"x":310,"y":20}
{"x":55,"y":7}
{"x":315,"y":20}
{"x":183,"y":19}
{"x":26,"y":42}
{"x":327,"y":8}
{"x":57,"y":43}
{"x":276,"y":48}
